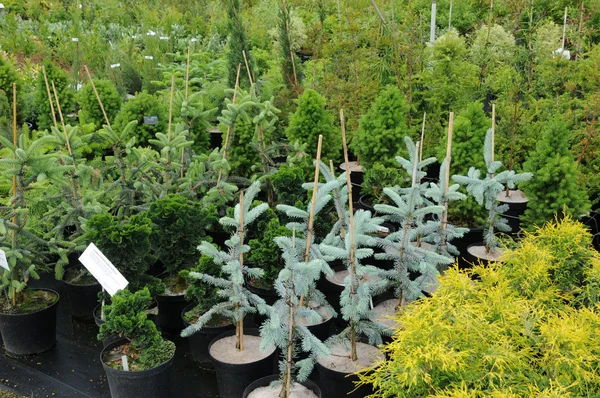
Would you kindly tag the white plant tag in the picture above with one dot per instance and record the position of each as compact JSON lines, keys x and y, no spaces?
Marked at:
{"x":103,"y":270}
{"x":149,"y":57}
{"x":113,"y":66}
{"x":74,"y":39}
{"x":125,"y":364}
{"x":194,"y":40}
{"x":164,"y":37}
{"x":1,"y":6}
{"x":3,"y":262}
{"x":382,"y":229}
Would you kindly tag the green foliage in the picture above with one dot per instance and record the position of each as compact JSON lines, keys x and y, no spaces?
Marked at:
{"x":238,"y":300}
{"x":125,"y":243}
{"x":65,"y":94}
{"x":310,"y":120}
{"x":126,"y":317}
{"x":486,"y":190}
{"x":202,"y":294}
{"x":143,"y":104}
{"x":555,"y":190}
{"x":264,"y":251}
{"x":238,"y":43}
{"x":178,"y":227}
{"x":470,"y":127}
{"x":8,"y":76}
{"x":518,"y":329}
{"x":377,"y":178}
{"x":382,"y":129}
{"x":90,"y":108}
{"x":287,"y":185}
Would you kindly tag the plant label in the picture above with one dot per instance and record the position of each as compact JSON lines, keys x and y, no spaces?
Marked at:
{"x":151,"y":120}
{"x":103,"y":270}
{"x":113,"y":66}
{"x":125,"y":363}
{"x":148,"y":57}
{"x":1,"y":6}
{"x":151,"y":33}
{"x":75,"y":39}
{"x":383,"y":230}
{"x":164,"y":37}
{"x":3,"y":262}
{"x":194,"y":40}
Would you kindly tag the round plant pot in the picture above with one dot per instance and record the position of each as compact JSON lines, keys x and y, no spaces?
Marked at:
{"x":233,"y":378}
{"x":322,"y":330}
{"x":337,"y":384}
{"x":216,"y":138}
{"x":266,"y":381}
{"x":472,"y":236}
{"x":269,"y":295}
{"x":169,"y":312}
{"x":83,"y":298}
{"x":200,"y":340}
{"x":365,"y":202}
{"x":474,"y":257}
{"x":32,"y":333}
{"x":356,"y":179}
{"x":151,"y":383}
{"x":517,"y":204}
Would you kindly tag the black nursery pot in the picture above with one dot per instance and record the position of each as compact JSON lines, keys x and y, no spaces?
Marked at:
{"x":83,"y":298}
{"x":169,"y":312}
{"x":266,"y":381}
{"x":269,"y":295}
{"x":32,"y":333}
{"x":340,"y":384}
{"x":151,"y":383}
{"x":232,"y":379}
{"x":473,"y":236}
{"x":200,"y":340}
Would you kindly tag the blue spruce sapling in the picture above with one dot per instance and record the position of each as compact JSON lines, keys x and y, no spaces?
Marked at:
{"x":486,"y":190}
{"x":239,"y":300}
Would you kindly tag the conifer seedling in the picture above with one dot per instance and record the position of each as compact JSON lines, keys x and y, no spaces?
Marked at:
{"x":239,"y":301}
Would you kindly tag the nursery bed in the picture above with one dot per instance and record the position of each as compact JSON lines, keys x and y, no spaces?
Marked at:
{"x":73,"y":369}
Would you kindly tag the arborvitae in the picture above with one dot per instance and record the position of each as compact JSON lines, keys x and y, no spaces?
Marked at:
{"x":381,"y":129}
{"x":238,"y":43}
{"x":486,"y":192}
{"x":143,"y":104}
{"x":554,"y":191}
{"x":90,"y":108}
{"x":239,"y":300}
{"x":310,"y":120}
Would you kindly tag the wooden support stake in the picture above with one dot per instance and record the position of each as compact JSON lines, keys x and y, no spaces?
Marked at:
{"x":225,"y":146}
{"x":171,"y":108}
{"x":415,"y":167}
{"x":493,"y":128}
{"x":564,"y":29}
{"x":447,"y":176}
{"x":15,"y":143}
{"x":250,"y":79}
{"x":62,"y":120}
{"x":49,"y":97}
{"x":342,"y":232}
{"x":87,"y":71}
{"x":187,"y":73}
{"x":422,"y":137}
{"x":240,"y":325}
{"x":311,"y":215}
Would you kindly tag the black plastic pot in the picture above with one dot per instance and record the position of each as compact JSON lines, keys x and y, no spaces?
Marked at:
{"x":365,"y":202}
{"x":336,"y":384}
{"x":151,"y":383}
{"x":269,"y":295}
{"x":322,"y":330}
{"x":513,"y":214}
{"x":266,"y":381}
{"x":232,"y":379}
{"x":169,"y":312}
{"x":472,"y":236}
{"x":32,"y":333}
{"x":83,"y":298}
{"x":216,"y":138}
{"x":356,"y":179}
{"x":473,"y":259}
{"x":200,"y":340}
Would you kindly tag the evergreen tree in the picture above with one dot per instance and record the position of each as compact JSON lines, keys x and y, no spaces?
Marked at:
{"x":554,"y":191}
{"x":238,"y":43}
{"x":143,"y":104}
{"x":290,"y":64}
{"x":382,"y":128}
{"x":8,"y":76}
{"x":310,"y":120}
{"x":239,"y":300}
{"x":486,"y":191}
{"x":90,"y":108}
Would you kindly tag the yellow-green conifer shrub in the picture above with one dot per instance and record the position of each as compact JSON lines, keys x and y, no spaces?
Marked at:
{"x":525,"y":327}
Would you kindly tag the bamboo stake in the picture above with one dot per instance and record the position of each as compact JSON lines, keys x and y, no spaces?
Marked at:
{"x":187,"y":83}
{"x":237,"y":83}
{"x":97,"y":95}
{"x":564,"y":29}
{"x":171,"y":108}
{"x":450,"y":16}
{"x":49,"y":96}
{"x":342,"y":232}
{"x":493,"y":128}
{"x":247,"y":67}
{"x":311,"y":215}
{"x":14,"y":231}
{"x":287,"y":385}
{"x":383,"y":21}
{"x":353,"y":353}
{"x":447,"y":176}
{"x":422,"y":137}
{"x":240,"y":325}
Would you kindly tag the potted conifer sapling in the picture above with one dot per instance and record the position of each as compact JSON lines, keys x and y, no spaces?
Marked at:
{"x":235,"y":354}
